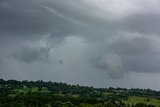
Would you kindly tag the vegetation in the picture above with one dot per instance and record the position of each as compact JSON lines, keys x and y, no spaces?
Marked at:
{"x":149,"y":101}
{"x":52,"y":94}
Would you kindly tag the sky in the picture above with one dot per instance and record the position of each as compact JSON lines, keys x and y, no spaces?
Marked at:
{"x":99,"y":43}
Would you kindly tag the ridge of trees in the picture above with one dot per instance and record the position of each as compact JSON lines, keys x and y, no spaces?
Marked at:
{"x":19,"y":93}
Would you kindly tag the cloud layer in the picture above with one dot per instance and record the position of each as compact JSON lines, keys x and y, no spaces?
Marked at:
{"x":98,"y":40}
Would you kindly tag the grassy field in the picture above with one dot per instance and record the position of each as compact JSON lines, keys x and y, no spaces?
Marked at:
{"x":147,"y":101}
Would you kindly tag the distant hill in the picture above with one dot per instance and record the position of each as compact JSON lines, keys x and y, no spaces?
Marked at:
{"x":15,"y":93}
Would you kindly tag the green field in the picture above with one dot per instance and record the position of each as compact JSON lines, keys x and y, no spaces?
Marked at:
{"x":134,"y":100}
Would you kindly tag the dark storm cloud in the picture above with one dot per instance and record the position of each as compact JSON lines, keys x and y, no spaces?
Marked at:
{"x":139,"y":54}
{"x":30,"y":19}
{"x":147,"y":23}
{"x":143,"y":63}
{"x":124,"y":54}
{"x":23,"y":17}
{"x":80,"y":39}
{"x":30,"y":54}
{"x":112,"y":64}
{"x":135,"y":47}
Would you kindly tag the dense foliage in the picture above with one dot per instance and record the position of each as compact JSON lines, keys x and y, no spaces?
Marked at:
{"x":52,"y":94}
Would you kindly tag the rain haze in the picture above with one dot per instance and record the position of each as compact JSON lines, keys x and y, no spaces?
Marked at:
{"x":99,"y":43}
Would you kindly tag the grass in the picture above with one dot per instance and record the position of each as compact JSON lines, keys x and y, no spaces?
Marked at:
{"x":134,"y":100}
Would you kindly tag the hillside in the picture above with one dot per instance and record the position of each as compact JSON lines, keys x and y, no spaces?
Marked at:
{"x":52,"y":94}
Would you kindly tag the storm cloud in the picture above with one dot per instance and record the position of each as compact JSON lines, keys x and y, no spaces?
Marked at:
{"x":29,"y":55}
{"x":99,"y":43}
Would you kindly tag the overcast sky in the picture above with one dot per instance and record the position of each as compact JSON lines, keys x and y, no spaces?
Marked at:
{"x":100,"y":43}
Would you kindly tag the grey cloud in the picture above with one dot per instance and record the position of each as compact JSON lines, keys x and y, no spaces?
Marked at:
{"x":81,"y":39}
{"x":143,"y":63}
{"x":30,"y":55}
{"x":146,"y":23}
{"x":20,"y":17}
{"x":137,"y":46}
{"x":32,"y":19}
{"x":124,"y":55}
{"x":112,"y":65}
